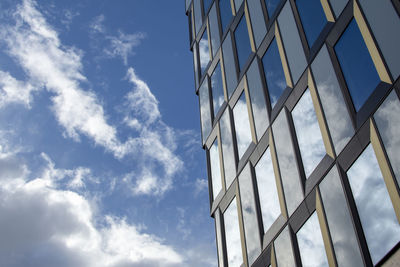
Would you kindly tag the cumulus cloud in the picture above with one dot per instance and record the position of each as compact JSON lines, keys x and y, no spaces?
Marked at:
{"x":14,"y":91}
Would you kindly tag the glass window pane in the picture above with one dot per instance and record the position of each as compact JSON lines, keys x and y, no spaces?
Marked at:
{"x":198,"y":20}
{"x":243,"y":48}
{"x":187,"y":3}
{"x":217,"y":88}
{"x":257,"y":98}
{"x":312,"y":18}
{"x":357,"y":66}
{"x":287,"y":163}
{"x":311,"y":244}
{"x":242,"y":125}
{"x":284,"y":249}
{"x":338,"y":6}
{"x":309,"y":136}
{"x":196,"y":67}
{"x":229,"y":65}
{"x":206,"y":5}
{"x":219,"y":239}
{"x":273,"y":72}
{"x":385,"y":24}
{"x":271,"y":6}
{"x":250,"y":222}
{"x":232,"y":235}
{"x":225,"y":11}
{"x":227,"y":148}
{"x":332,"y":101}
{"x":214,"y":30}
{"x":204,"y":52}
{"x":388,"y":121}
{"x":205,"y":111}
{"x":378,"y":219}
{"x":267,"y":191}
{"x":238,"y":3}
{"x":215,"y":169}
{"x":340,"y":225}
{"x":292,"y":43}
{"x":257,"y":21}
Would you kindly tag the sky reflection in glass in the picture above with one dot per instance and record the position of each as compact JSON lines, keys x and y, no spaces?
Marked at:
{"x":273,"y":72}
{"x":227,"y":148}
{"x":204,"y":52}
{"x":229,"y":65}
{"x":284,"y":249}
{"x":242,"y":125}
{"x":271,"y":6}
{"x":215,"y":169}
{"x":205,"y":111}
{"x":225,"y":13}
{"x":357,"y":66}
{"x":378,"y":219}
{"x":232,"y":235}
{"x":217,"y":88}
{"x":214,"y":30}
{"x":243,"y":48}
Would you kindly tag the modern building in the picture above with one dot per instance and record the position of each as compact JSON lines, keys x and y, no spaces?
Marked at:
{"x":300,"y":118}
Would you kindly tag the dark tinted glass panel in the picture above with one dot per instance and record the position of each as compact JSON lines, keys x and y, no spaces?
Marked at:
{"x":274,"y":74}
{"x":198,"y":20}
{"x":205,"y":111}
{"x":227,"y":148}
{"x":378,"y":219}
{"x":204,"y":52}
{"x":215,"y":169}
{"x":232,"y":235}
{"x":257,"y":20}
{"x":206,"y":5}
{"x":251,"y":229}
{"x":385,"y":24}
{"x":225,"y":10}
{"x":214,"y":30}
{"x":312,"y":18}
{"x":242,"y":125}
{"x":257,"y":98}
{"x":229,"y":65}
{"x":243,"y":47}
{"x":388,"y":121}
{"x":343,"y":236}
{"x":271,"y":6}
{"x":357,"y":66}
{"x":217,"y":88}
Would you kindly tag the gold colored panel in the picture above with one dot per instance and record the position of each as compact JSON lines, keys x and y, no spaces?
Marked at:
{"x":321,"y":121}
{"x":325,"y":232}
{"x":385,"y":169}
{"x":249,"y":110}
{"x":327,"y":10}
{"x":285,"y":64}
{"x":281,"y":195}
{"x":369,"y":41}
{"x":233,"y":7}
{"x":273,"y":258}
{"x":249,"y":28}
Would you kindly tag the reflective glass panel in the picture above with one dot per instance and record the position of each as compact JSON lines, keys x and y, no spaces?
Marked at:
{"x":227,"y":148}
{"x":196,"y":67}
{"x":219,"y":239}
{"x":217,"y":88}
{"x":357,"y":66}
{"x":225,"y":11}
{"x":238,"y":3}
{"x":242,"y":125}
{"x":267,"y":192}
{"x":257,"y":21}
{"x":215,"y":169}
{"x":340,"y":225}
{"x":204,"y":52}
{"x":388,"y":121}
{"x":187,"y":3}
{"x":205,"y":111}
{"x":385,"y":24}
{"x":257,"y":98}
{"x":206,"y":5}
{"x":284,"y":249}
{"x":287,"y":163}
{"x":232,"y":235}
{"x":243,"y":48}
{"x":309,"y":136}
{"x":229,"y":65}
{"x":198,"y":20}
{"x":271,"y":6}
{"x":378,"y":219}
{"x":251,"y":228}
{"x":312,"y":18}
{"x":273,"y":72}
{"x":214,"y":30}
{"x":311,"y":244}
{"x":337,"y":117}
{"x":292,"y":43}
{"x":338,"y":6}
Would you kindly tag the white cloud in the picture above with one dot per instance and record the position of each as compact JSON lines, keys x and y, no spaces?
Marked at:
{"x":14,"y":91}
{"x":200,"y":185}
{"x":122,"y":45}
{"x":97,"y":25}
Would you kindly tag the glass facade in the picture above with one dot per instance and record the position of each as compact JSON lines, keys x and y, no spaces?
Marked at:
{"x":303,"y":147}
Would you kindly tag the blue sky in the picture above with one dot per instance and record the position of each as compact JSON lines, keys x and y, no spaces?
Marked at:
{"x":100,"y":154}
